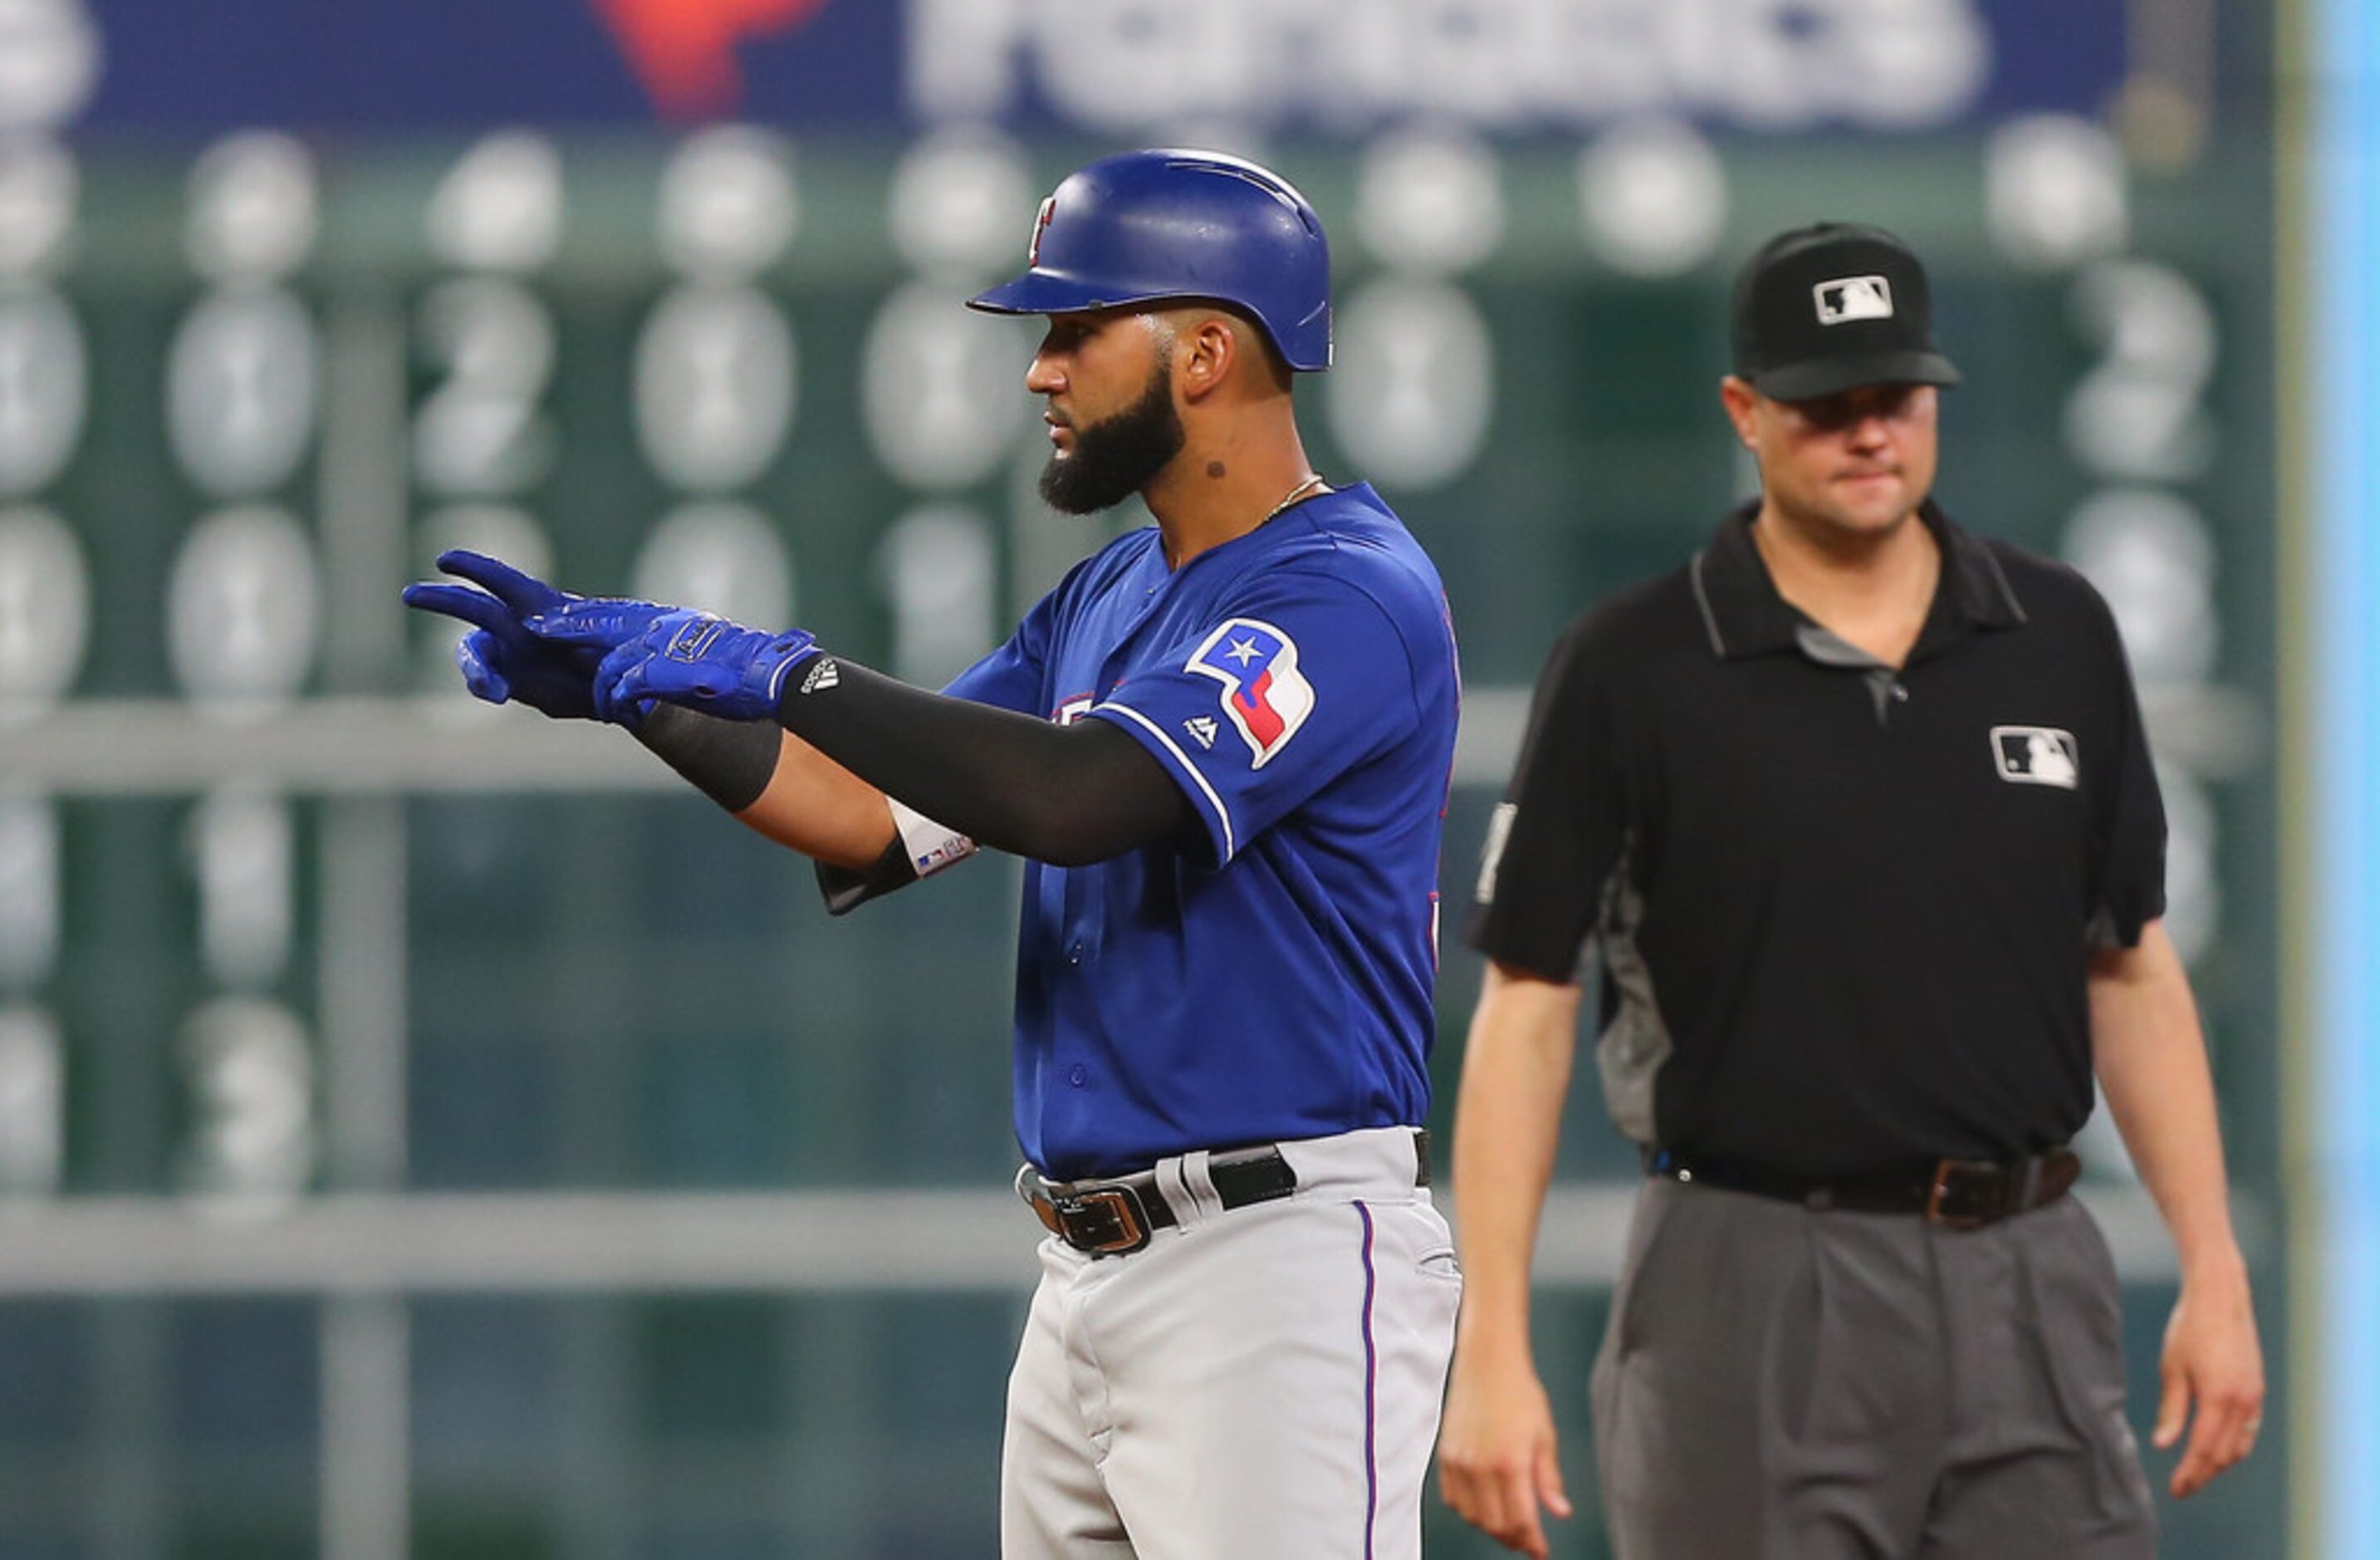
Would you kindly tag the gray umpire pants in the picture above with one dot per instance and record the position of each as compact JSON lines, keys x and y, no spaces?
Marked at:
{"x":1780,"y":1383}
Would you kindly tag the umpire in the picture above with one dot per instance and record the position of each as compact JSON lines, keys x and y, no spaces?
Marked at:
{"x":1857,"y":811}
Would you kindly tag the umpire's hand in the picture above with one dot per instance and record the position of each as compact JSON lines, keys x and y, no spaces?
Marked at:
{"x":1496,"y":1452}
{"x":2212,"y":1364}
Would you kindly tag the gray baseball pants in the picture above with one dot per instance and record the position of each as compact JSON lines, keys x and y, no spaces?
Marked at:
{"x":1780,"y":1383}
{"x":1259,"y":1384}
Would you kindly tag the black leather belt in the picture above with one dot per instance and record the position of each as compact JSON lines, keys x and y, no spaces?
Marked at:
{"x":1959,"y":1193}
{"x":1115,"y":1217}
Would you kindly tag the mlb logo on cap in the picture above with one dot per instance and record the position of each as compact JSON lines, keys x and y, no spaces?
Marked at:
{"x":1854,"y":298}
{"x":1829,"y":307}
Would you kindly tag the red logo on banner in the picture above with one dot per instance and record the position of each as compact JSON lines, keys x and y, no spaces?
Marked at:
{"x":683,"y":51}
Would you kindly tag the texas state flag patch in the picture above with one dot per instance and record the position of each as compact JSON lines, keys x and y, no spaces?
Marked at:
{"x":1264,"y":693}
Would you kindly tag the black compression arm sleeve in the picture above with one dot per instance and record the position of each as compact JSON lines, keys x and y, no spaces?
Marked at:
{"x":845,"y":890}
{"x":730,"y":762}
{"x":1067,"y":795}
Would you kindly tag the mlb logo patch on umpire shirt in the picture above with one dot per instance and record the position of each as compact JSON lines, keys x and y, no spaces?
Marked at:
{"x":2037,"y":755}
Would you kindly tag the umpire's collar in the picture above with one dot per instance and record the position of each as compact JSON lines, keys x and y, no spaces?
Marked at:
{"x":1745,"y":616}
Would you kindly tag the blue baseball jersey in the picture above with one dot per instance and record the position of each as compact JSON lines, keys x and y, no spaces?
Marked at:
{"x":1274,"y":980}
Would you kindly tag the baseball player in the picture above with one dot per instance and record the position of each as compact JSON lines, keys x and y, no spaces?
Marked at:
{"x":1858,"y":811}
{"x":1222,"y":744}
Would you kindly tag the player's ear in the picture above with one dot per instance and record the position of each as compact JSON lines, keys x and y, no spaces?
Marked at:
{"x":1207,"y":350}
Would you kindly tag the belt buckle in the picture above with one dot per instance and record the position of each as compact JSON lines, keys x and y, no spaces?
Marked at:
{"x":1119,"y":1208}
{"x":1945,"y":1171}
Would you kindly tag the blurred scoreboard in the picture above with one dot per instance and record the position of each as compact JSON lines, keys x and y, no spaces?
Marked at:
{"x":243,"y":399}
{"x":319,"y":982}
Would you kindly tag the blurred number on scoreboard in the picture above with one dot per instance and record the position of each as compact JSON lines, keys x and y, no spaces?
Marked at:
{"x":244,"y":408}
{"x":43,"y":386}
{"x":44,"y":407}
{"x":2138,"y":422}
{"x":32,"y":1103}
{"x":248,"y":1066}
{"x":482,"y":429}
{"x":483,"y":433}
{"x":718,"y":377}
{"x":33,"y":1052}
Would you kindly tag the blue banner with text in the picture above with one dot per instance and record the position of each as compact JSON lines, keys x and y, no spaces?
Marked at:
{"x":1127,"y":69}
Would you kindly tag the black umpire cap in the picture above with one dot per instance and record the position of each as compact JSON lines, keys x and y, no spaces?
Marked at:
{"x":1830,"y":308}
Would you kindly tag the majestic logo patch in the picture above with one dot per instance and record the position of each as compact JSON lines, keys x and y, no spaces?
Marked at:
{"x":1202,"y":729}
{"x":1854,"y":298}
{"x":822,"y":675}
{"x":2037,"y":755}
{"x":1264,"y":693}
{"x":1040,"y":225}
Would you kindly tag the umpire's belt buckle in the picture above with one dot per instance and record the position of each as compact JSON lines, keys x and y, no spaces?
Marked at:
{"x":1967,"y":1193}
{"x":1104,"y":1221}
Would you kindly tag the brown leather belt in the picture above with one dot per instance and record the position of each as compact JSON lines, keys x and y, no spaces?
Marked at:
{"x":1958,"y":1193}
{"x":1113,"y":1218}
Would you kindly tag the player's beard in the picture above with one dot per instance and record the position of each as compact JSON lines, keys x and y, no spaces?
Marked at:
{"x":1116,"y":457}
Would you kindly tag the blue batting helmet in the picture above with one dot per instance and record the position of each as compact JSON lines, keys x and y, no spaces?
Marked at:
{"x":1151,"y":226}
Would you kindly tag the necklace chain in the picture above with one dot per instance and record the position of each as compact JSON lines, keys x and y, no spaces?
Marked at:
{"x":1313,"y":480}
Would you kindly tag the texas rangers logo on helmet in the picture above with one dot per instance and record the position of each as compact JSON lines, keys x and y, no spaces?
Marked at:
{"x":1264,"y":693}
{"x":1040,"y":225}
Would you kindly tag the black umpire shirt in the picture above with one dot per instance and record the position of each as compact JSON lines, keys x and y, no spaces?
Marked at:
{"x":1845,"y":912}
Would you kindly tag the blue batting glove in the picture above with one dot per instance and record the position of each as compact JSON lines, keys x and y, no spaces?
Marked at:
{"x":481,"y":657}
{"x":701,"y":662}
{"x":501,"y":659}
{"x":599,"y":624}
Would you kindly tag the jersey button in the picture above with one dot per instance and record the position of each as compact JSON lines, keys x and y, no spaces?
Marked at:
{"x":1073,"y":953}
{"x":1077,"y":1076}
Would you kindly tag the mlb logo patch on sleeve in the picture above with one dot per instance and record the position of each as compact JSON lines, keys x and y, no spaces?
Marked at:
{"x":2037,"y":755}
{"x":1265,"y":696}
